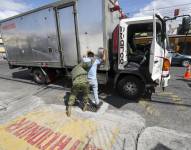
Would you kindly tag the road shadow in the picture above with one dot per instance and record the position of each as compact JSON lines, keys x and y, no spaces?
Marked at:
{"x":116,"y":101}
{"x":107,"y":92}
{"x":24,"y":76}
{"x":188,"y":82}
{"x":169,"y":103}
{"x":185,"y":80}
{"x":160,"y":146}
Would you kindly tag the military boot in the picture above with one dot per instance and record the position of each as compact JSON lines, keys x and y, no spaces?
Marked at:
{"x":68,"y":111}
{"x":85,"y":108}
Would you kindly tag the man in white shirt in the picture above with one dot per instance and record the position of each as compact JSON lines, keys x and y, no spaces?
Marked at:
{"x":92,"y":73}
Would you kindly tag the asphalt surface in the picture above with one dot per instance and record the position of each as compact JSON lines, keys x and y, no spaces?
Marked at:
{"x":170,"y":109}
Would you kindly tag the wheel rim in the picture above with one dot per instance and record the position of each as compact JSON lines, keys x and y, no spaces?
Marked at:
{"x":130,"y":88}
{"x":185,"y":63}
{"x":38,"y":77}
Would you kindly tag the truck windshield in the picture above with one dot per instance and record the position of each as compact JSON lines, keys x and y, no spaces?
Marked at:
{"x":140,"y":36}
{"x":139,"y":40}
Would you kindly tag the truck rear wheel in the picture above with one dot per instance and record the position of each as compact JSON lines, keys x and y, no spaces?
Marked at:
{"x":38,"y":76}
{"x":130,"y":87}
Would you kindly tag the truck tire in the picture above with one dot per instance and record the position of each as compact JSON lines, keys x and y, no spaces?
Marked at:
{"x":130,"y":87}
{"x":147,"y":94}
{"x":38,"y":76}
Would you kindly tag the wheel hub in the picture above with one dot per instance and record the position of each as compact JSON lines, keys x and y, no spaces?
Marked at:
{"x":38,"y":76}
{"x":185,"y":63}
{"x":130,"y":88}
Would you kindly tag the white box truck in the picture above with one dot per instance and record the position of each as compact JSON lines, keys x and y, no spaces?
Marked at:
{"x":53,"y":38}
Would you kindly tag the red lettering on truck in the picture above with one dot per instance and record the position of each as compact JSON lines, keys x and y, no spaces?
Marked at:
{"x":9,"y":26}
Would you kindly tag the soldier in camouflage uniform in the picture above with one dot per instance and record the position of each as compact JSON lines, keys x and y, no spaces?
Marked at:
{"x":79,"y":85}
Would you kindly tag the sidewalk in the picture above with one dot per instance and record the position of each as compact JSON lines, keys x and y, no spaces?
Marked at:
{"x":27,"y":123}
{"x":48,"y":127}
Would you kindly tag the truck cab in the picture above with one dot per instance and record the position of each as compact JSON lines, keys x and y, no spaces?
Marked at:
{"x":140,"y":56}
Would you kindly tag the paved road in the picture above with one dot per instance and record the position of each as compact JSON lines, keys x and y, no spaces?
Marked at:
{"x":170,"y":109}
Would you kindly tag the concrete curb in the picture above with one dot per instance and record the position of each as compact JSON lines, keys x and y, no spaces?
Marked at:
{"x":157,"y":138}
{"x":129,"y":125}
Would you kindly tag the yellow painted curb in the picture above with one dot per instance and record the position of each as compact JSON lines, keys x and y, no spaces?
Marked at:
{"x":48,"y":129}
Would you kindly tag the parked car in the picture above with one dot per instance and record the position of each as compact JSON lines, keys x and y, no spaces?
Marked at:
{"x":180,"y":59}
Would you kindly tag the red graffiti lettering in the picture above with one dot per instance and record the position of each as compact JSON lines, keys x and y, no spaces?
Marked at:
{"x":22,"y":131}
{"x":35,"y":139}
{"x":75,"y":145}
{"x":61,"y":144}
{"x":34,"y":134}
{"x":17,"y":125}
{"x":53,"y":139}
{"x":43,"y":138}
{"x":91,"y":147}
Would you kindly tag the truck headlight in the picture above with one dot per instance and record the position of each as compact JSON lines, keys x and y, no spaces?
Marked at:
{"x":166,"y":64}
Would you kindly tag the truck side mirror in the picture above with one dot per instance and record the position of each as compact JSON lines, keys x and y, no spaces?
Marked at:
{"x":186,"y":24}
{"x":176,"y":12}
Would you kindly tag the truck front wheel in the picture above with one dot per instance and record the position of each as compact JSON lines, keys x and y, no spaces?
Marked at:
{"x":38,"y":76}
{"x":130,"y":87}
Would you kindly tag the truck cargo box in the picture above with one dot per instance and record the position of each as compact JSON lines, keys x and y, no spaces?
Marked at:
{"x":59,"y":34}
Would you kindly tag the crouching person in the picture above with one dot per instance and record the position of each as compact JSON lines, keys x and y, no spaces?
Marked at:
{"x":79,"y":85}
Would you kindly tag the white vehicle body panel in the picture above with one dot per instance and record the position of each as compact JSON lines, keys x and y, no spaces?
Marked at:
{"x":122,"y":61}
{"x":156,"y":56}
{"x":156,"y":61}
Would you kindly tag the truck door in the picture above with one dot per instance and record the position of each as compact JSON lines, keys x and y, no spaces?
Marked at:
{"x":68,"y":36}
{"x":156,"y":55}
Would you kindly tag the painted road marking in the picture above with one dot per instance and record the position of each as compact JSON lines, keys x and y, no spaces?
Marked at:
{"x":164,"y":93}
{"x":175,"y":98}
{"x":42,"y":137}
{"x":47,"y":129}
{"x":150,"y":109}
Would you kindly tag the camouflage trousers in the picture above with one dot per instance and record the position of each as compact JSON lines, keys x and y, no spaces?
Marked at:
{"x":77,"y":89}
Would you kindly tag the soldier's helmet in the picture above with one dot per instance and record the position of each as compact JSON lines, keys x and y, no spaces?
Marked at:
{"x":86,"y":63}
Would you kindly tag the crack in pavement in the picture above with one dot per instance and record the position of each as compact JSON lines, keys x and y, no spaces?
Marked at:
{"x":3,"y":108}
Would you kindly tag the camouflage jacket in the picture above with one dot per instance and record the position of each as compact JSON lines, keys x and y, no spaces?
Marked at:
{"x":78,"y":71}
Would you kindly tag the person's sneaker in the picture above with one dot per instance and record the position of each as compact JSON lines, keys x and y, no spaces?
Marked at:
{"x":68,"y":111}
